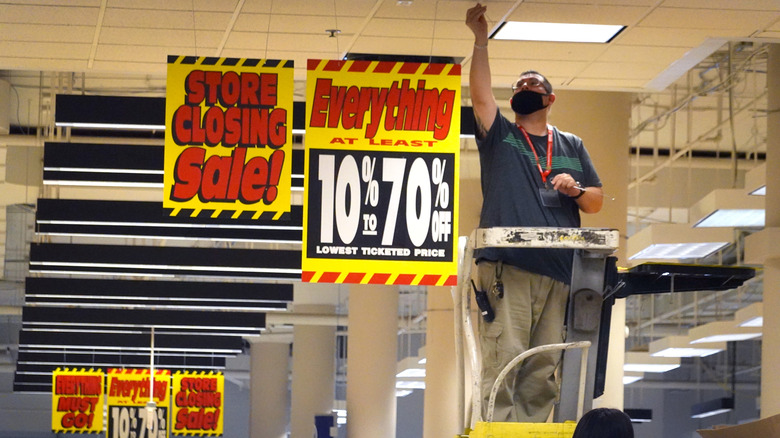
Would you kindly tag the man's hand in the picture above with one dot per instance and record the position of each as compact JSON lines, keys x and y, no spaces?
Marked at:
{"x":476,"y":21}
{"x":565,"y":183}
{"x":591,"y":200}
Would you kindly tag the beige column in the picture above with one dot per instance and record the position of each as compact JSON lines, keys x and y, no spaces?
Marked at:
{"x":440,"y":412}
{"x":268,"y":390}
{"x":371,"y":361}
{"x":601,"y":119}
{"x":770,"y":343}
{"x":313,"y":383}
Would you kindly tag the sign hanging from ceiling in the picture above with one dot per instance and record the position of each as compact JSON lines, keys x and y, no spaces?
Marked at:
{"x":197,"y":400}
{"x":381,"y":175}
{"x":77,"y":401}
{"x":127,"y":397}
{"x":228,"y":136}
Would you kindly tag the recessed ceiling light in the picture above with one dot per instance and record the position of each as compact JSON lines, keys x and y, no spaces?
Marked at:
{"x":557,"y":32}
{"x":732,"y":217}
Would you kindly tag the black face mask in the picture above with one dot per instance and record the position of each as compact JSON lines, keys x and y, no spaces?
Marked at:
{"x":526,"y":102}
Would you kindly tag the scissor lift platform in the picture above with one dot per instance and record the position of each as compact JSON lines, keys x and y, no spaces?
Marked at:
{"x":595,"y":281}
{"x":592,"y":247}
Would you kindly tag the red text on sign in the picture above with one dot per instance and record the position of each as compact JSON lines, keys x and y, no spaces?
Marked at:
{"x":226,"y":179}
{"x":404,"y":108}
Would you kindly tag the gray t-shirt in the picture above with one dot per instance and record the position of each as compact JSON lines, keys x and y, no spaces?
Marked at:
{"x":511,"y":197}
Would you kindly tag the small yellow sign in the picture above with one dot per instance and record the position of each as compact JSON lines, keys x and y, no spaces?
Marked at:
{"x":77,"y":401}
{"x":198,"y":400}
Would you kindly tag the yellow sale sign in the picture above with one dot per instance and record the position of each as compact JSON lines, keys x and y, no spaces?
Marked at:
{"x":228,"y":136}
{"x":198,"y":399}
{"x":382,"y":172}
{"x":77,"y":401}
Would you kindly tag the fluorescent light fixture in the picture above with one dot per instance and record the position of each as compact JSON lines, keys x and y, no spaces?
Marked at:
{"x":643,"y":362}
{"x":676,"y":251}
{"x":755,"y":180}
{"x":728,"y":208}
{"x":125,"y":126}
{"x":750,"y":316}
{"x":172,"y":225}
{"x":722,"y":331}
{"x":102,"y":184}
{"x":749,"y":218}
{"x":680,"y":346}
{"x":677,"y":242}
{"x":557,"y":32}
{"x":712,"y":407}
{"x":639,"y":415}
{"x":409,"y":384}
{"x":630,"y":377}
{"x":422,"y":356}
{"x":410,"y":367}
{"x":109,"y":171}
{"x":761,"y":191}
{"x":341,"y":416}
{"x":164,"y":267}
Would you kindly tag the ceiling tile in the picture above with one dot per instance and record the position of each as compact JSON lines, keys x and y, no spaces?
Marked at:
{"x":174,"y":5}
{"x":303,"y":7}
{"x":392,"y":45}
{"x":399,"y":28}
{"x":602,"y":2}
{"x":620,"y":70}
{"x":121,"y":17}
{"x":143,"y":54}
{"x":716,"y":20}
{"x":353,"y":8}
{"x":452,"y":29}
{"x":668,"y":37}
{"x":245,"y":40}
{"x":255,"y":7}
{"x":252,"y":23}
{"x":545,"y":50}
{"x":725,"y":4}
{"x":45,"y":50}
{"x":551,"y":68}
{"x":51,"y":33}
{"x":417,"y":9}
{"x":649,"y":55}
{"x":589,"y":84}
{"x":147,"y":37}
{"x":299,"y":42}
{"x":312,"y":24}
{"x":586,"y":13}
{"x":64,"y":15}
{"x":89,"y":3}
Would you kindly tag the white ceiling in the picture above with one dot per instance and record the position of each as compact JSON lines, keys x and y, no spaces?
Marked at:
{"x":662,"y":40}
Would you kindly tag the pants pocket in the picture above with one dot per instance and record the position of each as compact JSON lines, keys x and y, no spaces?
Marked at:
{"x":489,"y":339}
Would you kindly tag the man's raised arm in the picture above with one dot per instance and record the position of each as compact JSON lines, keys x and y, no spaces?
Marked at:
{"x":480,"y":82}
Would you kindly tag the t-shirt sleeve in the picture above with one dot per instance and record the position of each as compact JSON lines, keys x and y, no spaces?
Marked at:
{"x":591,"y":177}
{"x":494,"y":134}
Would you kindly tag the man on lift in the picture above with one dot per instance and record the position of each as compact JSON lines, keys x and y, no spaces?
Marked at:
{"x":533,"y":175}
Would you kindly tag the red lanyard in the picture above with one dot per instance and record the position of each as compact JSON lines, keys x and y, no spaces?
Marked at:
{"x":546,"y":172}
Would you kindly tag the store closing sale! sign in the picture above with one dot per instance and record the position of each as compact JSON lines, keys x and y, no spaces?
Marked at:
{"x":381,"y":175}
{"x":198,"y":400}
{"x":228,"y":137}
